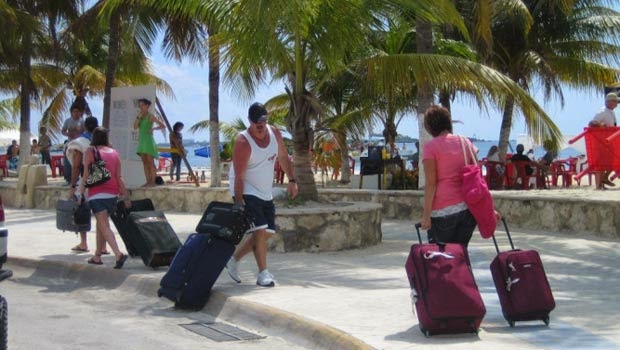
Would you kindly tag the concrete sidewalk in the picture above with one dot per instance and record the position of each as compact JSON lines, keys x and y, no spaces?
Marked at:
{"x":331,"y":300}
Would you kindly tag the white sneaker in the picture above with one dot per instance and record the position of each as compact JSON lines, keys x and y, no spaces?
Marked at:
{"x":232,"y":268}
{"x":265,"y":279}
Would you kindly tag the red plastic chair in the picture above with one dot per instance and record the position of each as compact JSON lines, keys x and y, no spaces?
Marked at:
{"x":522,"y":179}
{"x":602,"y":148}
{"x":495,"y":174}
{"x":564,"y":169}
{"x":164,"y":164}
{"x":3,"y":165}
{"x":57,"y":166}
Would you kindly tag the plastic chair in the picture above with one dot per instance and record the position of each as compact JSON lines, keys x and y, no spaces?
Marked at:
{"x":57,"y":166}
{"x":564,"y":169}
{"x":522,"y":179}
{"x":581,"y":168}
{"x":494,"y":174}
{"x":164,"y":164}
{"x":3,"y":165}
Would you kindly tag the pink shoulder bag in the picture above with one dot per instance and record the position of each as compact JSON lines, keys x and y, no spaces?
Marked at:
{"x":477,"y":195}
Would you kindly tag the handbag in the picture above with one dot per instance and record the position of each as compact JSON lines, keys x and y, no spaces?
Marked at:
{"x":98,"y":173}
{"x":477,"y":195}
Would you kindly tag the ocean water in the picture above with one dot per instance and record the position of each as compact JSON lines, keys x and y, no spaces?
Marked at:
{"x":202,"y":163}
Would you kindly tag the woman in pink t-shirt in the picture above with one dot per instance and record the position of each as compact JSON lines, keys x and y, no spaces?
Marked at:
{"x":445,"y":215}
{"x":102,"y":198}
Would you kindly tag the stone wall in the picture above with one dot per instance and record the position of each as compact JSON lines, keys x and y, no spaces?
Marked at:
{"x":330,"y":227}
{"x":543,"y":211}
{"x":540,"y":211}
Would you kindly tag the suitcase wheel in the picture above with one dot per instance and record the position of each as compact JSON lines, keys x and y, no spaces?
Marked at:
{"x":426,"y":333}
{"x":511,"y":323}
{"x":546,"y":320}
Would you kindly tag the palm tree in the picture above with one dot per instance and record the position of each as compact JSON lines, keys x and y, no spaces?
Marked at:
{"x":551,"y":45}
{"x":289,"y":40}
{"x":346,"y":113}
{"x":82,"y":60}
{"x":29,"y":36}
{"x":184,"y":22}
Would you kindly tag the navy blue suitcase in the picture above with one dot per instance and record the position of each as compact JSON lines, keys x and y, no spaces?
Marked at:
{"x":194,"y":270}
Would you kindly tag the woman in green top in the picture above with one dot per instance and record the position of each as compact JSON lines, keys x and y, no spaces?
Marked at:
{"x":147,"y":148}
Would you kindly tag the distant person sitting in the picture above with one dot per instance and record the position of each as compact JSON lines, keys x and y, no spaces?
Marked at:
{"x":530,"y":154}
{"x":12,"y":155}
{"x":544,"y":163}
{"x":520,"y":157}
{"x":497,"y":170}
{"x":493,"y":154}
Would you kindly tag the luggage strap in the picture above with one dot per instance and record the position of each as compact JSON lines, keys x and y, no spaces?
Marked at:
{"x":431,"y":255}
{"x":510,"y":282}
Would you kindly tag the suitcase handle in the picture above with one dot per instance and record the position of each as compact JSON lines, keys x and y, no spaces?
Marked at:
{"x":417,"y":228}
{"x":512,"y":246}
{"x":418,"y":225}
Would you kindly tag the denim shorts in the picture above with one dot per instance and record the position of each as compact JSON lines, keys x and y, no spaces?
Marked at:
{"x":454,"y":228}
{"x":99,"y":205}
{"x":262,"y":213}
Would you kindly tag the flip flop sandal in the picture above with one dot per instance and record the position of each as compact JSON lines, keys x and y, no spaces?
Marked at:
{"x":94,"y":262}
{"x":79,"y":250}
{"x":120,"y":262}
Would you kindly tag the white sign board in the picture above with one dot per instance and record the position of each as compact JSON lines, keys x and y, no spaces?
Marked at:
{"x":123,"y":137}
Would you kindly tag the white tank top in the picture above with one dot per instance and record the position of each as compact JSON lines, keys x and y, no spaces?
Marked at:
{"x":260,"y":171}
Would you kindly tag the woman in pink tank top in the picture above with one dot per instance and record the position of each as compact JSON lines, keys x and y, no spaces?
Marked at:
{"x":445,"y":215}
{"x":102,"y":198}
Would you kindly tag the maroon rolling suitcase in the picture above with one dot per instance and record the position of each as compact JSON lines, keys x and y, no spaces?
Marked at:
{"x":443,"y":288}
{"x":521,"y":284}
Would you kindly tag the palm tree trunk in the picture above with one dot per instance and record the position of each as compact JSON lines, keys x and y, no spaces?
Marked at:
{"x":390,"y":134}
{"x":345,"y":169}
{"x":112,"y":62}
{"x":26,"y":91}
{"x":302,"y":163}
{"x":504,"y":133}
{"x":214,"y":102}
{"x":424,"y":39}
{"x":301,"y":131}
{"x":303,"y":138}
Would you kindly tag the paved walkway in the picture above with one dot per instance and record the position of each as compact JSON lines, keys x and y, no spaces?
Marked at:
{"x":365,"y":294}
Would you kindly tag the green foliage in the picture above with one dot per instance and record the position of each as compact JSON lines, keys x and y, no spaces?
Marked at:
{"x":226,"y":153}
{"x":411,"y":179}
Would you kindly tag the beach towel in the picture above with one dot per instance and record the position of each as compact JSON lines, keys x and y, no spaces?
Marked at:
{"x":477,"y":195}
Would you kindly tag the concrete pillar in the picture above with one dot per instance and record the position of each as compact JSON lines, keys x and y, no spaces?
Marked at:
{"x":37,"y":176}
{"x":20,"y":194}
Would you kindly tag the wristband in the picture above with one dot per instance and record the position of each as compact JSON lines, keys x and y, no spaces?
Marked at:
{"x":292,"y":181}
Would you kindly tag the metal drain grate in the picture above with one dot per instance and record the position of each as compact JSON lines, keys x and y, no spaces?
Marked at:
{"x":220,"y":332}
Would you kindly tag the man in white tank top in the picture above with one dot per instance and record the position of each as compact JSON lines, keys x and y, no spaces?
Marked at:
{"x":251,"y":184}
